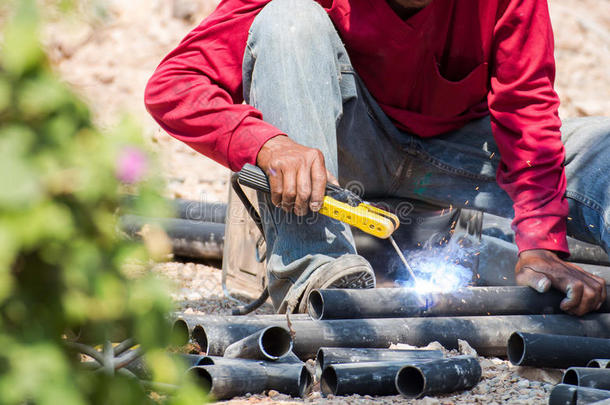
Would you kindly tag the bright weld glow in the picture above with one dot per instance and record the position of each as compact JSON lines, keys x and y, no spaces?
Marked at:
{"x":439,"y":269}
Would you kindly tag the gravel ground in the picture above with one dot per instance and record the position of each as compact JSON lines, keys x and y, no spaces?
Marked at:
{"x":108,"y":49}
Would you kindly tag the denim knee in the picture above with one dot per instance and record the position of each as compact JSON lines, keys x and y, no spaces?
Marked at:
{"x":300,"y":23}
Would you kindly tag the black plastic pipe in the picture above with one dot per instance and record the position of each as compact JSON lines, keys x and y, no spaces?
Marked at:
{"x":341,"y":355}
{"x":438,"y":376}
{"x":555,"y":351}
{"x":498,"y":259}
{"x":183,"y":324}
{"x":270,"y":344}
{"x":186,"y":209}
{"x":375,"y":378}
{"x":228,"y":381}
{"x":189,"y":238}
{"x":191,"y":360}
{"x":288,"y":378}
{"x":486,"y":334}
{"x":587,"y":377}
{"x":599,"y":363}
{"x":402,"y":302}
{"x":563,"y":394}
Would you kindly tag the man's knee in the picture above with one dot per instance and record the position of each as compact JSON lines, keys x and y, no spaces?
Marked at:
{"x":295,"y":21}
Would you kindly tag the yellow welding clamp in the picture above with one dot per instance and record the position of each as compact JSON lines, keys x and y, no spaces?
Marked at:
{"x":338,"y":203}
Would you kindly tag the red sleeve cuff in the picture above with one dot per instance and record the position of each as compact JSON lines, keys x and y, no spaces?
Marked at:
{"x":247,"y":140}
{"x":547,"y":232}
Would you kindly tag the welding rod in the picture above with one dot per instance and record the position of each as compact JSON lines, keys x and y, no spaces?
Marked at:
{"x":554,"y":350}
{"x":270,"y":343}
{"x":587,"y":377}
{"x":438,"y":376}
{"x":599,"y":363}
{"x":563,"y":394}
{"x":402,"y":302}
{"x":341,"y":355}
{"x":488,"y":335}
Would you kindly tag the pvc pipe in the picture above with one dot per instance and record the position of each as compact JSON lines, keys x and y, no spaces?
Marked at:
{"x":288,"y":378}
{"x":488,"y":335}
{"x":270,"y":343}
{"x":183,"y":324}
{"x":599,"y":363}
{"x":402,"y":302}
{"x":375,"y":378}
{"x":189,"y":238}
{"x":224,"y":381}
{"x":438,"y":376}
{"x":187,"y":209}
{"x":341,"y":355}
{"x":556,"y":351}
{"x":587,"y":377}
{"x":564,"y":394}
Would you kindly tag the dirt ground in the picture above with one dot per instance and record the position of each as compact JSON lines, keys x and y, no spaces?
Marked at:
{"x":108,"y":49}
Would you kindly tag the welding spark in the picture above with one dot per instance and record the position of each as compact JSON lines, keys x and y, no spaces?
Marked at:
{"x":438,"y":268}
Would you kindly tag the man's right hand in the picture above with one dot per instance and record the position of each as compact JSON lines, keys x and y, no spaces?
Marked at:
{"x":297,"y":174}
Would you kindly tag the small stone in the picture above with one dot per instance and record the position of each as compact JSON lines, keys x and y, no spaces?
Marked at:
{"x":523,"y":384}
{"x":466,"y":349}
{"x":315,"y":395}
{"x":272,"y":393}
{"x":248,"y":395}
{"x":429,"y":401}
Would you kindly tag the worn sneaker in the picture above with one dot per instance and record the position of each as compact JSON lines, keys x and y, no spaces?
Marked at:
{"x":347,"y":271}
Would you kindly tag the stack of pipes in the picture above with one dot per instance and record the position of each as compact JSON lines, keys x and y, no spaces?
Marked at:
{"x":587,"y":376}
{"x":376,"y":318}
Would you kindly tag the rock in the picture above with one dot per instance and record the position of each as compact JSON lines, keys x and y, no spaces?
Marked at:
{"x":523,"y":384}
{"x":272,"y":393}
{"x":466,"y":349}
{"x":428,"y":401}
{"x":547,"y":375}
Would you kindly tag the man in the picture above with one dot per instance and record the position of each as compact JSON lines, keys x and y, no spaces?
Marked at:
{"x":445,"y":101}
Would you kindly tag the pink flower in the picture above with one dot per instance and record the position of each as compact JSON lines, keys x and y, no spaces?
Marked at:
{"x":132,"y":165}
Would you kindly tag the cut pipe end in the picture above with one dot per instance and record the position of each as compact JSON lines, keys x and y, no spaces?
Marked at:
{"x":305,"y":382}
{"x":410,"y":382}
{"x":316,"y":305}
{"x":319,"y":363}
{"x":516,"y":349}
{"x":570,"y":377}
{"x":599,"y":363}
{"x":328,"y":381}
{"x":201,"y":338}
{"x":180,"y":333}
{"x":275,"y":342}
{"x":202,"y":377}
{"x":206,"y":361}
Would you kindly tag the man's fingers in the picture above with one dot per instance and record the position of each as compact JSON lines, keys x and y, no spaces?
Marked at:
{"x":303,"y":188}
{"x":275,"y":184}
{"x":289,"y":188}
{"x":529,"y":277}
{"x":331,"y":178}
{"x":318,"y":184}
{"x":573,"y":297}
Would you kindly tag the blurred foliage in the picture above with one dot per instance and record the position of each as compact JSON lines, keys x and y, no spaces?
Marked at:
{"x":62,"y":264}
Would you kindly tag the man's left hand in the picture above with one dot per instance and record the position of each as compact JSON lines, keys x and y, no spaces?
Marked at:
{"x":541,"y":269}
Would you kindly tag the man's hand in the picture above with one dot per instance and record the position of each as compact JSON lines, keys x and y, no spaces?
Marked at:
{"x":541,"y":269}
{"x":297,"y":174}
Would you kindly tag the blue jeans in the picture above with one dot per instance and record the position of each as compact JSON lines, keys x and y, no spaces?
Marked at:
{"x":297,"y":72}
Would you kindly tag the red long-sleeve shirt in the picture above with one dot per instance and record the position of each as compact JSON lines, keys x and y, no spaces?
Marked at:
{"x":454,"y":61}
